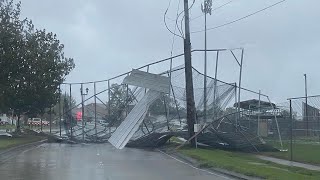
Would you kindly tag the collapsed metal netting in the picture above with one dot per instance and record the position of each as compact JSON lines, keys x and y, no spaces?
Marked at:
{"x":171,"y":110}
{"x":165,"y":114}
{"x":305,"y":118}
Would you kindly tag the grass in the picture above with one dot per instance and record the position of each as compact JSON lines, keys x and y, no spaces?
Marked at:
{"x":7,"y":126}
{"x":248,"y":164}
{"x":8,"y":142}
{"x":303,"y":151}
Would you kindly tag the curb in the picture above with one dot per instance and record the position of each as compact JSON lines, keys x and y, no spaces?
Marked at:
{"x":196,"y":163}
{"x":23,"y":146}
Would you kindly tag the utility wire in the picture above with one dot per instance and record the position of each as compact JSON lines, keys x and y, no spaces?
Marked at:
{"x":165,"y":23}
{"x":184,"y":17}
{"x":244,"y":17}
{"x":175,"y":28}
{"x":181,"y":29}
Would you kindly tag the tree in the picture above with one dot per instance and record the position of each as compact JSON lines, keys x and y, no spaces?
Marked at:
{"x":65,"y":104}
{"x":120,"y":98}
{"x":158,"y":107}
{"x":32,"y":62}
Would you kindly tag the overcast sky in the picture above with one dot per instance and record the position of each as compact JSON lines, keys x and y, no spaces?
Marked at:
{"x":107,"y":38}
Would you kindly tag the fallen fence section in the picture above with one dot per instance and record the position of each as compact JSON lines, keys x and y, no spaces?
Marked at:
{"x":132,"y":122}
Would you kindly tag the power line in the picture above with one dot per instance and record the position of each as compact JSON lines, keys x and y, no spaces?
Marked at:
{"x":175,"y":28}
{"x":183,"y":16}
{"x":244,"y":17}
{"x":165,"y":23}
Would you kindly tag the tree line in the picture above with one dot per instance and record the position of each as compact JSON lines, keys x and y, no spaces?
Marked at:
{"x":32,"y":63}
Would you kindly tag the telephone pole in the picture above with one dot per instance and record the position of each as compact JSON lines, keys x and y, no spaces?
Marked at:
{"x":206,"y":8}
{"x":191,"y":110}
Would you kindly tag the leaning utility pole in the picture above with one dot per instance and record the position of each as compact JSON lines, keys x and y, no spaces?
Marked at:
{"x":191,"y":110}
{"x":206,"y":8}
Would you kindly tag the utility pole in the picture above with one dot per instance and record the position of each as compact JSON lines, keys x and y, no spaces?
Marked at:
{"x":191,"y":110}
{"x":306,"y":105}
{"x":206,"y":8}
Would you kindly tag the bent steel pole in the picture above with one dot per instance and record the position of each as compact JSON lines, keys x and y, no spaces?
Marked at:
{"x":239,"y":91}
{"x":275,"y":117}
{"x":215,"y":86}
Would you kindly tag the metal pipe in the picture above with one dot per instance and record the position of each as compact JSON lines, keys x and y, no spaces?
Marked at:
{"x":235,"y":101}
{"x":306,"y":105}
{"x":215,"y":86}
{"x":70,"y":102}
{"x":291,"y":127}
{"x":82,"y":110}
{"x":259,"y":113}
{"x":95,"y":109}
{"x":176,"y":104}
{"x":109,"y":106}
{"x":239,"y":91}
{"x":275,"y":117}
{"x":166,"y":111}
{"x":166,"y":59}
{"x":145,"y":89}
{"x":59,"y":109}
{"x":232,"y":84}
{"x":127,"y":99}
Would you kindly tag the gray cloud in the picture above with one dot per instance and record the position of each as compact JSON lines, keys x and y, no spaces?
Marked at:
{"x":110,"y":37}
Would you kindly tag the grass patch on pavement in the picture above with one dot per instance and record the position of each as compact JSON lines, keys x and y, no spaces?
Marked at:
{"x":248,"y":164}
{"x":303,"y":151}
{"x":8,"y":142}
{"x":7,"y":126}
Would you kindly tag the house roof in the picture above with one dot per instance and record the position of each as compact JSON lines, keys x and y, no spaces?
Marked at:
{"x":254,"y":104}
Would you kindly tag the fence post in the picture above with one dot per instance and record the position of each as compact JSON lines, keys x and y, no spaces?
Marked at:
{"x":60,"y":110}
{"x":109,"y":106}
{"x":259,"y":109}
{"x":82,"y":110}
{"x":95,"y":110}
{"x":291,"y":126}
{"x":71,"y":119}
{"x":215,"y":86}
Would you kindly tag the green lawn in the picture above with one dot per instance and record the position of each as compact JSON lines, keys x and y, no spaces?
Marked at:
{"x":7,"y":126}
{"x":8,"y":142}
{"x":248,"y":164}
{"x":303,"y":151}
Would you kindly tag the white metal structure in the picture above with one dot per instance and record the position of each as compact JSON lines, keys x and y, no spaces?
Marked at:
{"x":134,"y":119}
{"x":148,"y":80}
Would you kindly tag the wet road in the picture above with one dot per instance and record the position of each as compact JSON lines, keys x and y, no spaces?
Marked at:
{"x":95,"y":162}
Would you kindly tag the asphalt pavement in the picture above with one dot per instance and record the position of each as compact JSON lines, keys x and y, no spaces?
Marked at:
{"x":98,"y":161}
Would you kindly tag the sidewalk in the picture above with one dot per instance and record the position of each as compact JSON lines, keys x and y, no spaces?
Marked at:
{"x":289,"y":163}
